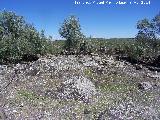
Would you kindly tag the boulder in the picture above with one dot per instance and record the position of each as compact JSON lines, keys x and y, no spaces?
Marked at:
{"x":78,"y":88}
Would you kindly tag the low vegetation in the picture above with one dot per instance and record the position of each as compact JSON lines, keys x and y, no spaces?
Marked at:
{"x":18,"y":38}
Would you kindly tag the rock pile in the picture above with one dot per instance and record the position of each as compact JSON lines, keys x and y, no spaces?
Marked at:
{"x":57,"y":87}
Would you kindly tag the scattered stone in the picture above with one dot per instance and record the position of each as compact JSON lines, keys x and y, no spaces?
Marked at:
{"x":88,"y":61}
{"x":2,"y":114}
{"x":138,"y":67}
{"x":86,"y":111}
{"x":155,"y":75}
{"x":151,"y":68}
{"x":144,"y":86}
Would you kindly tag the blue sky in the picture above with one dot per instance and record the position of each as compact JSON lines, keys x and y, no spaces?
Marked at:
{"x":108,"y":21}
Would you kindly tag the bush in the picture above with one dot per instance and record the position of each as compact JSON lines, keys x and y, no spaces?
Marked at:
{"x":17,"y":37}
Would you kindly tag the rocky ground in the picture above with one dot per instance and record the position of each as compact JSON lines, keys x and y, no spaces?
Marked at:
{"x":79,"y":88}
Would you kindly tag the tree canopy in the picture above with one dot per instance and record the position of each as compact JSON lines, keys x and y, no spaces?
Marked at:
{"x":71,"y":31}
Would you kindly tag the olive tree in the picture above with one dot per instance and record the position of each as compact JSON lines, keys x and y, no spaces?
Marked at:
{"x":71,"y":31}
{"x":149,"y":30}
{"x":17,"y":37}
{"x":148,"y":36}
{"x":156,"y":22}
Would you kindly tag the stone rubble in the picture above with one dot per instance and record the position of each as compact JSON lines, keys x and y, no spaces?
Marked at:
{"x":63,"y":78}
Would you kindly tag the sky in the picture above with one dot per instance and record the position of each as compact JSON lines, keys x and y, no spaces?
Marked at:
{"x":96,"y":20}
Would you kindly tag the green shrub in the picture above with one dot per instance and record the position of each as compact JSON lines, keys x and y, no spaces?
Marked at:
{"x":17,"y":37}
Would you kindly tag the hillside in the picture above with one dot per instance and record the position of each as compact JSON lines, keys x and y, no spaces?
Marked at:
{"x":97,"y":87}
